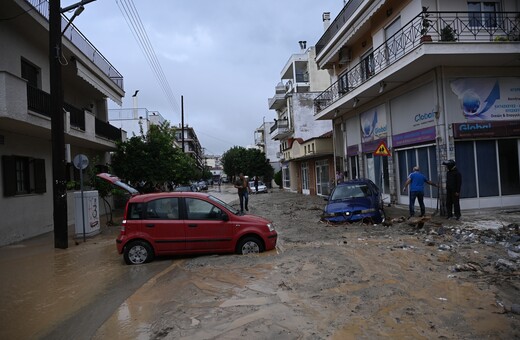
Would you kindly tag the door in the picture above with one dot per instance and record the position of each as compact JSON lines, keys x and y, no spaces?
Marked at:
{"x":205,"y":228}
{"x":305,"y":178}
{"x":377,"y":172}
{"x":162,"y":222}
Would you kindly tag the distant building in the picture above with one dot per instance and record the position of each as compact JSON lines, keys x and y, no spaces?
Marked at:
{"x":192,"y":145}
{"x":270,"y":147}
{"x":135,"y":122}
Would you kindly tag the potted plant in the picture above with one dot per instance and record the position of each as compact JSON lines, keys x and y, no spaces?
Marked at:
{"x":426,"y":23}
{"x":448,"y":34}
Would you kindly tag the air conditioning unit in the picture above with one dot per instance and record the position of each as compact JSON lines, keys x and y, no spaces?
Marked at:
{"x":345,"y":55}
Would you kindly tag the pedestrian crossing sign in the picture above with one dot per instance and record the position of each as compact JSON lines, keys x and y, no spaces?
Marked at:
{"x":382,"y":150}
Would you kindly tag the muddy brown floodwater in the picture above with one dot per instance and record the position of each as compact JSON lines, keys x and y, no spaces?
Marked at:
{"x":330,"y":282}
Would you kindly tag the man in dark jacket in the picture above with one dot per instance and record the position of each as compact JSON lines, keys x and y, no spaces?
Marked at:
{"x":453,"y":184}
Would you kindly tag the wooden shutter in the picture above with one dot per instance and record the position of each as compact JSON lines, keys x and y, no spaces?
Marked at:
{"x":40,"y":185}
{"x":9,"y":175}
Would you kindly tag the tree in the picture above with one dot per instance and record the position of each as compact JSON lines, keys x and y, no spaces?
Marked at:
{"x":250,"y":162}
{"x":153,"y":158}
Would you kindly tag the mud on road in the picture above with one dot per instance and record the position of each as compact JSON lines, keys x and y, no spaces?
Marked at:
{"x":339,"y":282}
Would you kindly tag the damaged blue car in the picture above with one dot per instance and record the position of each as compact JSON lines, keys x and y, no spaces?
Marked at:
{"x":354,"y":201}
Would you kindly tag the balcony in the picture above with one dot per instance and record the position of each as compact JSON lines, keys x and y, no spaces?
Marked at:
{"x":443,"y":32}
{"x":39,"y":101}
{"x":83,"y":44}
{"x":280,"y":129}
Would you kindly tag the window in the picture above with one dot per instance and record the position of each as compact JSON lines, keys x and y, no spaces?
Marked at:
{"x":23,"y":175}
{"x":202,"y":210}
{"x":31,"y":73}
{"x":164,"y":209}
{"x":483,"y":13}
{"x":286,"y":178}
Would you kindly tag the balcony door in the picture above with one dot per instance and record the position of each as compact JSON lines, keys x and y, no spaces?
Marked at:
{"x":367,"y":65}
{"x":394,"y":42}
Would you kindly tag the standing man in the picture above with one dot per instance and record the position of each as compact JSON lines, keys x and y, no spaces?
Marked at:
{"x":416,"y":181}
{"x":256,"y":184}
{"x":453,"y":184}
{"x":243,"y":191}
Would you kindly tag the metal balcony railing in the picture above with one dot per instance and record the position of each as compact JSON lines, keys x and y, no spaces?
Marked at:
{"x":280,"y":124}
{"x":77,"y":116}
{"x":81,"y":42}
{"x":432,"y":27}
{"x":38,"y":101}
{"x":107,"y":131}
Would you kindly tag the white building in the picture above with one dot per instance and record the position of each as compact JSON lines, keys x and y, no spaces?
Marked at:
{"x":268,"y":146}
{"x":135,"y":122}
{"x":432,"y":80}
{"x":26,"y":203}
{"x":301,"y":81}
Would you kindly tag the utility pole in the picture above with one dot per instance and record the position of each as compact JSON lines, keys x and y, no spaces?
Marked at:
{"x":182,"y":123}
{"x":59,"y":188}
{"x":59,"y":179}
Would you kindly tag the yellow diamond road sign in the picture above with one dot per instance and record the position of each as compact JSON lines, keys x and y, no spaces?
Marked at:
{"x":382,"y":150}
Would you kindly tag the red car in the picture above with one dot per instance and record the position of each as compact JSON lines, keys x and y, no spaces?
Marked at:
{"x":187,"y":223}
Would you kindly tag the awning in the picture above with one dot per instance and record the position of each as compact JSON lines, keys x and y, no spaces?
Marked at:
{"x":94,"y":80}
{"x":363,"y":16}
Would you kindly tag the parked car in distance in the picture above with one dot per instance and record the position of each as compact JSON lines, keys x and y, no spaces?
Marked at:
{"x":203,"y":185}
{"x":185,"y":222}
{"x":185,"y":187}
{"x":354,"y":201}
{"x":261,"y":187}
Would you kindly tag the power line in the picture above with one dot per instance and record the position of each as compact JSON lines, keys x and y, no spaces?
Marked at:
{"x":132,"y":18}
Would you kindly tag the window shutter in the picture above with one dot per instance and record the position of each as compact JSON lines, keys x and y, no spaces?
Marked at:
{"x":9,"y":175}
{"x":40,"y":185}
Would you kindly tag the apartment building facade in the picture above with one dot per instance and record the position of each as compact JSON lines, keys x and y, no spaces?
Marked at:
{"x":88,"y":81}
{"x":301,"y":81}
{"x":426,"y":81}
{"x":267,"y":145}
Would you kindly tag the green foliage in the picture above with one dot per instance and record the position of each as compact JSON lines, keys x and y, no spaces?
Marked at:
{"x":251,"y":162}
{"x":104,"y":188}
{"x":448,"y":34}
{"x":153,"y":158}
{"x":278,"y":178}
{"x":426,"y":23}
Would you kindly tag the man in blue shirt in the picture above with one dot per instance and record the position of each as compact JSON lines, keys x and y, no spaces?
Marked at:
{"x":416,"y":181}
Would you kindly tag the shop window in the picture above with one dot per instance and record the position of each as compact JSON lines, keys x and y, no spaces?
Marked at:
{"x":305,"y":176}
{"x":465,"y":157}
{"x":354,"y":167}
{"x":23,"y":175}
{"x":322,"y":178}
{"x":286,"y":178}
{"x":487,"y":168}
{"x":508,"y":150}
{"x":426,"y":158}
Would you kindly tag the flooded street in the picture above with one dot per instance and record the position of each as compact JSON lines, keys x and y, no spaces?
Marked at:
{"x":322,"y":282}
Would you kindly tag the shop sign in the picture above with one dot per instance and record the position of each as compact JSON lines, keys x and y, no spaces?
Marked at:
{"x":486,"y":129}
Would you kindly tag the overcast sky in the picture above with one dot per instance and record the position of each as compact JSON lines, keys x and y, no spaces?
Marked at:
{"x":223,"y":56}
